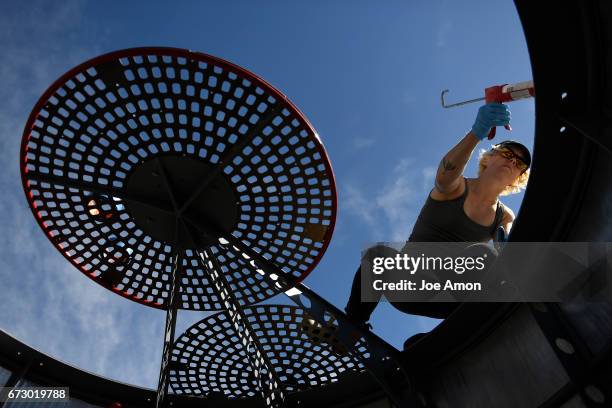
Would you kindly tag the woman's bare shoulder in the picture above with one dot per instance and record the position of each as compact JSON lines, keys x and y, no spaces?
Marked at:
{"x":508,"y":213}
{"x":452,"y":195}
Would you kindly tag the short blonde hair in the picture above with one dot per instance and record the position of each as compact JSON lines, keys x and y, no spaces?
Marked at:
{"x":516,"y":187}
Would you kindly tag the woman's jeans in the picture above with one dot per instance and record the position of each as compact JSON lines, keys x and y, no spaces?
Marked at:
{"x":360,"y":312}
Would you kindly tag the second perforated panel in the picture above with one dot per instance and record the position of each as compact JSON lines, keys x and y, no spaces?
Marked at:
{"x":209,"y":357}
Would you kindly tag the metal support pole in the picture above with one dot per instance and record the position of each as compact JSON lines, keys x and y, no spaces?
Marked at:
{"x":162,"y":387}
{"x":267,"y":381}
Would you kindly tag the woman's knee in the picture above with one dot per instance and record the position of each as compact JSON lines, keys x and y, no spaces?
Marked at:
{"x":481,"y":250}
{"x":378,"y":251}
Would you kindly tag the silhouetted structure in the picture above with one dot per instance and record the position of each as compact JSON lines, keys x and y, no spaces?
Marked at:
{"x":502,"y":355}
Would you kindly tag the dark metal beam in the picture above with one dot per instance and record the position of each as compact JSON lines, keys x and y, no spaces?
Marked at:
{"x":269,"y":385}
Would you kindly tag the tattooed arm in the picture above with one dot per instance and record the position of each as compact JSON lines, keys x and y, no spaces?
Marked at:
{"x":450,"y":170}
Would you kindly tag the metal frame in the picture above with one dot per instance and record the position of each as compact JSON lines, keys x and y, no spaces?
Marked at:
{"x":560,"y":218}
{"x":95,"y":128}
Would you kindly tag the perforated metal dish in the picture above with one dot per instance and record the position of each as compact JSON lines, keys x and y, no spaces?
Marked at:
{"x":106,"y":140}
{"x":210,"y":358}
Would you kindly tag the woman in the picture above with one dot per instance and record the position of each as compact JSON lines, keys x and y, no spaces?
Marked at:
{"x":457,"y":209}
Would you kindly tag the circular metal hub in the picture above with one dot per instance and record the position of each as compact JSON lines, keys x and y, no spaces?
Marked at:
{"x":162,"y":183}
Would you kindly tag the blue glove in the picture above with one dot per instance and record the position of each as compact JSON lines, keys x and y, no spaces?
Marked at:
{"x":490,"y":115}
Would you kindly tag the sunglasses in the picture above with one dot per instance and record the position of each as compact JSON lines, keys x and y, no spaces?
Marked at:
{"x":515,"y":158}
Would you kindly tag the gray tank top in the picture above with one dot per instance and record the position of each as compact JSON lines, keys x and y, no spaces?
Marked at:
{"x":445,"y":221}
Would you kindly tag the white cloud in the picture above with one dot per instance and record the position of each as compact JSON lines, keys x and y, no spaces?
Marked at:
{"x":363,"y":142}
{"x":359,"y":205}
{"x":429,"y":174}
{"x":57,"y":310}
{"x":408,"y":98}
{"x":390,"y":210}
{"x":442,"y":33}
{"x":396,"y":201}
{"x":46,"y":302}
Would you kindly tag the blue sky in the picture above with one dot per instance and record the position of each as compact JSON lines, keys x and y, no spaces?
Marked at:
{"x":368,"y":76}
